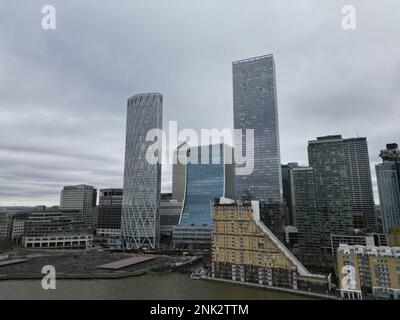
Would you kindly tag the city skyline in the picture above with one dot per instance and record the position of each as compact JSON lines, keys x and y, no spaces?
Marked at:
{"x":321,"y":91}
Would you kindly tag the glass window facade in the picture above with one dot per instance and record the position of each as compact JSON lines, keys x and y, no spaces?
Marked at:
{"x":389,"y":194}
{"x":204,"y":182}
{"x":255,"y":107}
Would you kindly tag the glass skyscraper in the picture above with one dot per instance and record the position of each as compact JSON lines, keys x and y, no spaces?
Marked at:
{"x":255,"y":107}
{"x":142,"y":180}
{"x":388,"y":176}
{"x":204,"y":183}
{"x":360,"y":183}
{"x":306,"y":211}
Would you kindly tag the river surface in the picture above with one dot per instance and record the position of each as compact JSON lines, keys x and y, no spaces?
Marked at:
{"x":168,"y":286}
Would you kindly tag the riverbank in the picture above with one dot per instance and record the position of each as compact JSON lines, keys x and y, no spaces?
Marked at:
{"x":266,"y":287}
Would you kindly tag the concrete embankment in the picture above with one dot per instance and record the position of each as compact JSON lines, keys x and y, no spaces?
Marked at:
{"x":265,"y":287}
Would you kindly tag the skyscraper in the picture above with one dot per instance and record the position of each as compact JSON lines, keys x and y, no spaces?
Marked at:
{"x":327,"y":157}
{"x":142,"y":179}
{"x":388,"y":176}
{"x":305,"y":206}
{"x":359,"y":178}
{"x":255,"y":107}
{"x":80,"y":197}
{"x":287,"y":186}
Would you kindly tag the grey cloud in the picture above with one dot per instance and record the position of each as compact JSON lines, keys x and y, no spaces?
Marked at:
{"x":63,"y":93}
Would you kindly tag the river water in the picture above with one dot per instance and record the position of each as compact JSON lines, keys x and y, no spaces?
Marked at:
{"x":168,"y":286}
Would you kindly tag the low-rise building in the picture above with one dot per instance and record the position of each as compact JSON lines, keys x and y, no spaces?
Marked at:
{"x":363,"y":239}
{"x":369,"y":270}
{"x":170,"y":212}
{"x":17,"y":228}
{"x":5,"y":225}
{"x":57,"y":229}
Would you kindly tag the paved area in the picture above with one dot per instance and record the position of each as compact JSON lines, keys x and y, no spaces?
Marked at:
{"x":82,"y":264}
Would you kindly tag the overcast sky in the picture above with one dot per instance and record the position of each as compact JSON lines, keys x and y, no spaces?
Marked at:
{"x":63,"y":92}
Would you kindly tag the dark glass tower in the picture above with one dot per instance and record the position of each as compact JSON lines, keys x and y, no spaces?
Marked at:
{"x":327,"y":157}
{"x":388,"y":176}
{"x":255,"y":107}
{"x":359,"y":177}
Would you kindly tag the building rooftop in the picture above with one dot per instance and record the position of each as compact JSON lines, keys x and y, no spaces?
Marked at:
{"x":252,"y":59}
{"x":116,"y":265}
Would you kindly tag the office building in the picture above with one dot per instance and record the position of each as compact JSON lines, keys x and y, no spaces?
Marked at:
{"x":291,"y":237}
{"x":5,"y":225}
{"x":204,"y":182}
{"x":178,"y":172}
{"x":245,"y":250}
{"x":17,"y":227}
{"x":388,"y":175}
{"x":273,"y":215}
{"x":82,"y":198}
{"x":306,"y":210}
{"x":62,"y":229}
{"x":287,"y":187}
{"x":255,"y":108}
{"x":109,"y":212}
{"x":369,"y":270}
{"x":140,"y":222}
{"x":327,"y":156}
{"x":170,"y":213}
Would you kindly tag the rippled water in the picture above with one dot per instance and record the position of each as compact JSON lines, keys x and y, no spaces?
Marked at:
{"x":168,"y":286}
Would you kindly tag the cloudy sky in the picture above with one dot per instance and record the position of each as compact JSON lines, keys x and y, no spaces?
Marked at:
{"x":63,"y":92}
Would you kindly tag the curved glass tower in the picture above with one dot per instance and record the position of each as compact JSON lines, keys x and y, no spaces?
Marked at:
{"x":142,"y":180}
{"x":209,"y":175}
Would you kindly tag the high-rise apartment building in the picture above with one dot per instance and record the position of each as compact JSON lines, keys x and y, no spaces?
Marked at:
{"x":255,"y":108}
{"x":327,"y":156}
{"x":204,"y":182}
{"x":359,"y":178}
{"x":83,"y":198}
{"x":388,"y":177}
{"x":142,"y":178}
